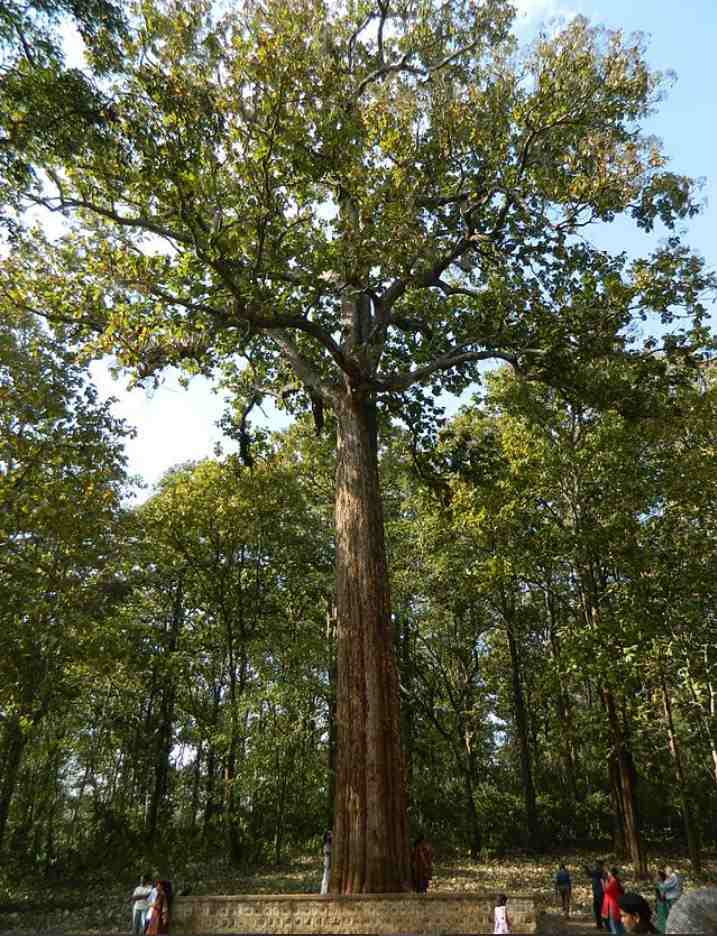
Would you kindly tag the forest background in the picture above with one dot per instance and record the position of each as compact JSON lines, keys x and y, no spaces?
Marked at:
{"x":167,"y":669}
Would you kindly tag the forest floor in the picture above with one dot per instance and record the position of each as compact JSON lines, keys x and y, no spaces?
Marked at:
{"x":97,"y":906}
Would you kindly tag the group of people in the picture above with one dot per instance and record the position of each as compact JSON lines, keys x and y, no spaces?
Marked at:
{"x":617,"y":911}
{"x":151,"y":901}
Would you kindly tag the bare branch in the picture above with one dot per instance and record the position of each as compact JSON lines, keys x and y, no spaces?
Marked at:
{"x":304,"y":370}
{"x":440,"y":201}
{"x":62,"y":203}
{"x":454,"y":55}
{"x":382,"y":71}
{"x":454,"y":358}
{"x":458,"y":290}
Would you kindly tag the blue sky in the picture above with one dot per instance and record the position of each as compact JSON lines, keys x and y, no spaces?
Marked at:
{"x":174,"y":425}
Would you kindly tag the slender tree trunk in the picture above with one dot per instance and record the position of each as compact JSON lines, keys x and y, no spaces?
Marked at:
{"x":566,"y":725}
{"x":160,"y":790}
{"x":13,"y":745}
{"x":618,"y":831}
{"x":196,"y":781}
{"x":475,"y":829}
{"x":521,"y":727}
{"x":704,"y":720}
{"x":211,"y":806}
{"x":370,"y":852}
{"x":690,"y":829}
{"x":626,"y":779}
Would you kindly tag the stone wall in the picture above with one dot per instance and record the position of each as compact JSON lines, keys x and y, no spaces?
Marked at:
{"x":424,"y":915}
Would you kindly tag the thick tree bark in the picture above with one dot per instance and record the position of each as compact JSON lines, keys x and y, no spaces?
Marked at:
{"x":687,"y":817}
{"x":331,"y":713}
{"x":370,"y":850}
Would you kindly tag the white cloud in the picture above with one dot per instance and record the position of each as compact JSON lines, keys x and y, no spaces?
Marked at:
{"x":533,"y":13}
{"x":173,"y":425}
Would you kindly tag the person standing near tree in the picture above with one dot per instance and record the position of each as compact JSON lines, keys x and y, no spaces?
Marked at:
{"x":140,"y":905}
{"x":563,"y":889}
{"x":158,"y":915}
{"x":326,"y":849}
{"x":597,"y":878}
{"x":671,"y":888}
{"x":421,"y":864}
{"x":610,"y":906}
{"x":661,"y":908}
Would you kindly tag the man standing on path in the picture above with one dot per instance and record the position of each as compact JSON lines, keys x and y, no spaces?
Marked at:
{"x":564,"y":889}
{"x":140,"y":905}
{"x":597,"y":875}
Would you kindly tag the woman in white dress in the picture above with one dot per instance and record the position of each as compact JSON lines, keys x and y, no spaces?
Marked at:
{"x":502,"y":920}
{"x":327,"y":862}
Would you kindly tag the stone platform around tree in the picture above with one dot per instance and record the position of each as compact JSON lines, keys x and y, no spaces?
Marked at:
{"x":434,"y":914}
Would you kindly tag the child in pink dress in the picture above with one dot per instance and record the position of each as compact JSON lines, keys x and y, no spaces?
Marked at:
{"x":502,"y":920}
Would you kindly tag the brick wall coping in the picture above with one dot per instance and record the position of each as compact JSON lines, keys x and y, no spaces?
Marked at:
{"x":346,"y":898}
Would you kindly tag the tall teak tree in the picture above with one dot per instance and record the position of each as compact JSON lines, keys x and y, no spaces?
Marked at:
{"x":358,"y":202}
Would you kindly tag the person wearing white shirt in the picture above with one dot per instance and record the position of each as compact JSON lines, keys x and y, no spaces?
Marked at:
{"x":140,"y":905}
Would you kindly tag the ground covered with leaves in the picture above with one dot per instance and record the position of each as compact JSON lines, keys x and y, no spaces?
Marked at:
{"x":99,"y":904}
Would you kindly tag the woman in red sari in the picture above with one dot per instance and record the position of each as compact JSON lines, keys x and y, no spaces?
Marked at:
{"x":158,"y":914}
{"x":613,"y":889}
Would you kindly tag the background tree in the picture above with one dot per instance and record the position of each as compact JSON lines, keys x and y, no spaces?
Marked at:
{"x":62,"y":472}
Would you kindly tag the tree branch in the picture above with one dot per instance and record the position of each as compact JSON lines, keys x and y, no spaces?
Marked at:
{"x":304,"y":370}
{"x":453,"y":358}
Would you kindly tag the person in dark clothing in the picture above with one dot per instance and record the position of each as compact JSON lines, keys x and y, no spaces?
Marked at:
{"x":597,"y":875}
{"x":564,"y":889}
{"x":421,"y":865}
{"x":636,"y":913}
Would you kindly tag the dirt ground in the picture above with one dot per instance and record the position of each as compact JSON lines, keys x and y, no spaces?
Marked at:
{"x":70,"y":908}
{"x":553,"y":924}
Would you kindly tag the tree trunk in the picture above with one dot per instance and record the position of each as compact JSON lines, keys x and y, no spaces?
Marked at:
{"x":331,"y":713}
{"x":211,"y":804}
{"x":158,"y":804}
{"x":521,"y":727}
{"x":370,"y":851}
{"x":196,"y":782}
{"x":13,"y":745}
{"x":475,"y":829}
{"x":690,"y":830}
{"x":618,"y":830}
{"x":626,"y":778}
{"x":565,"y":726}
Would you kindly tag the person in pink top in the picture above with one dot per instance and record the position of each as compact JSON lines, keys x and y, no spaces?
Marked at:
{"x":500,"y":914}
{"x":613,"y":889}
